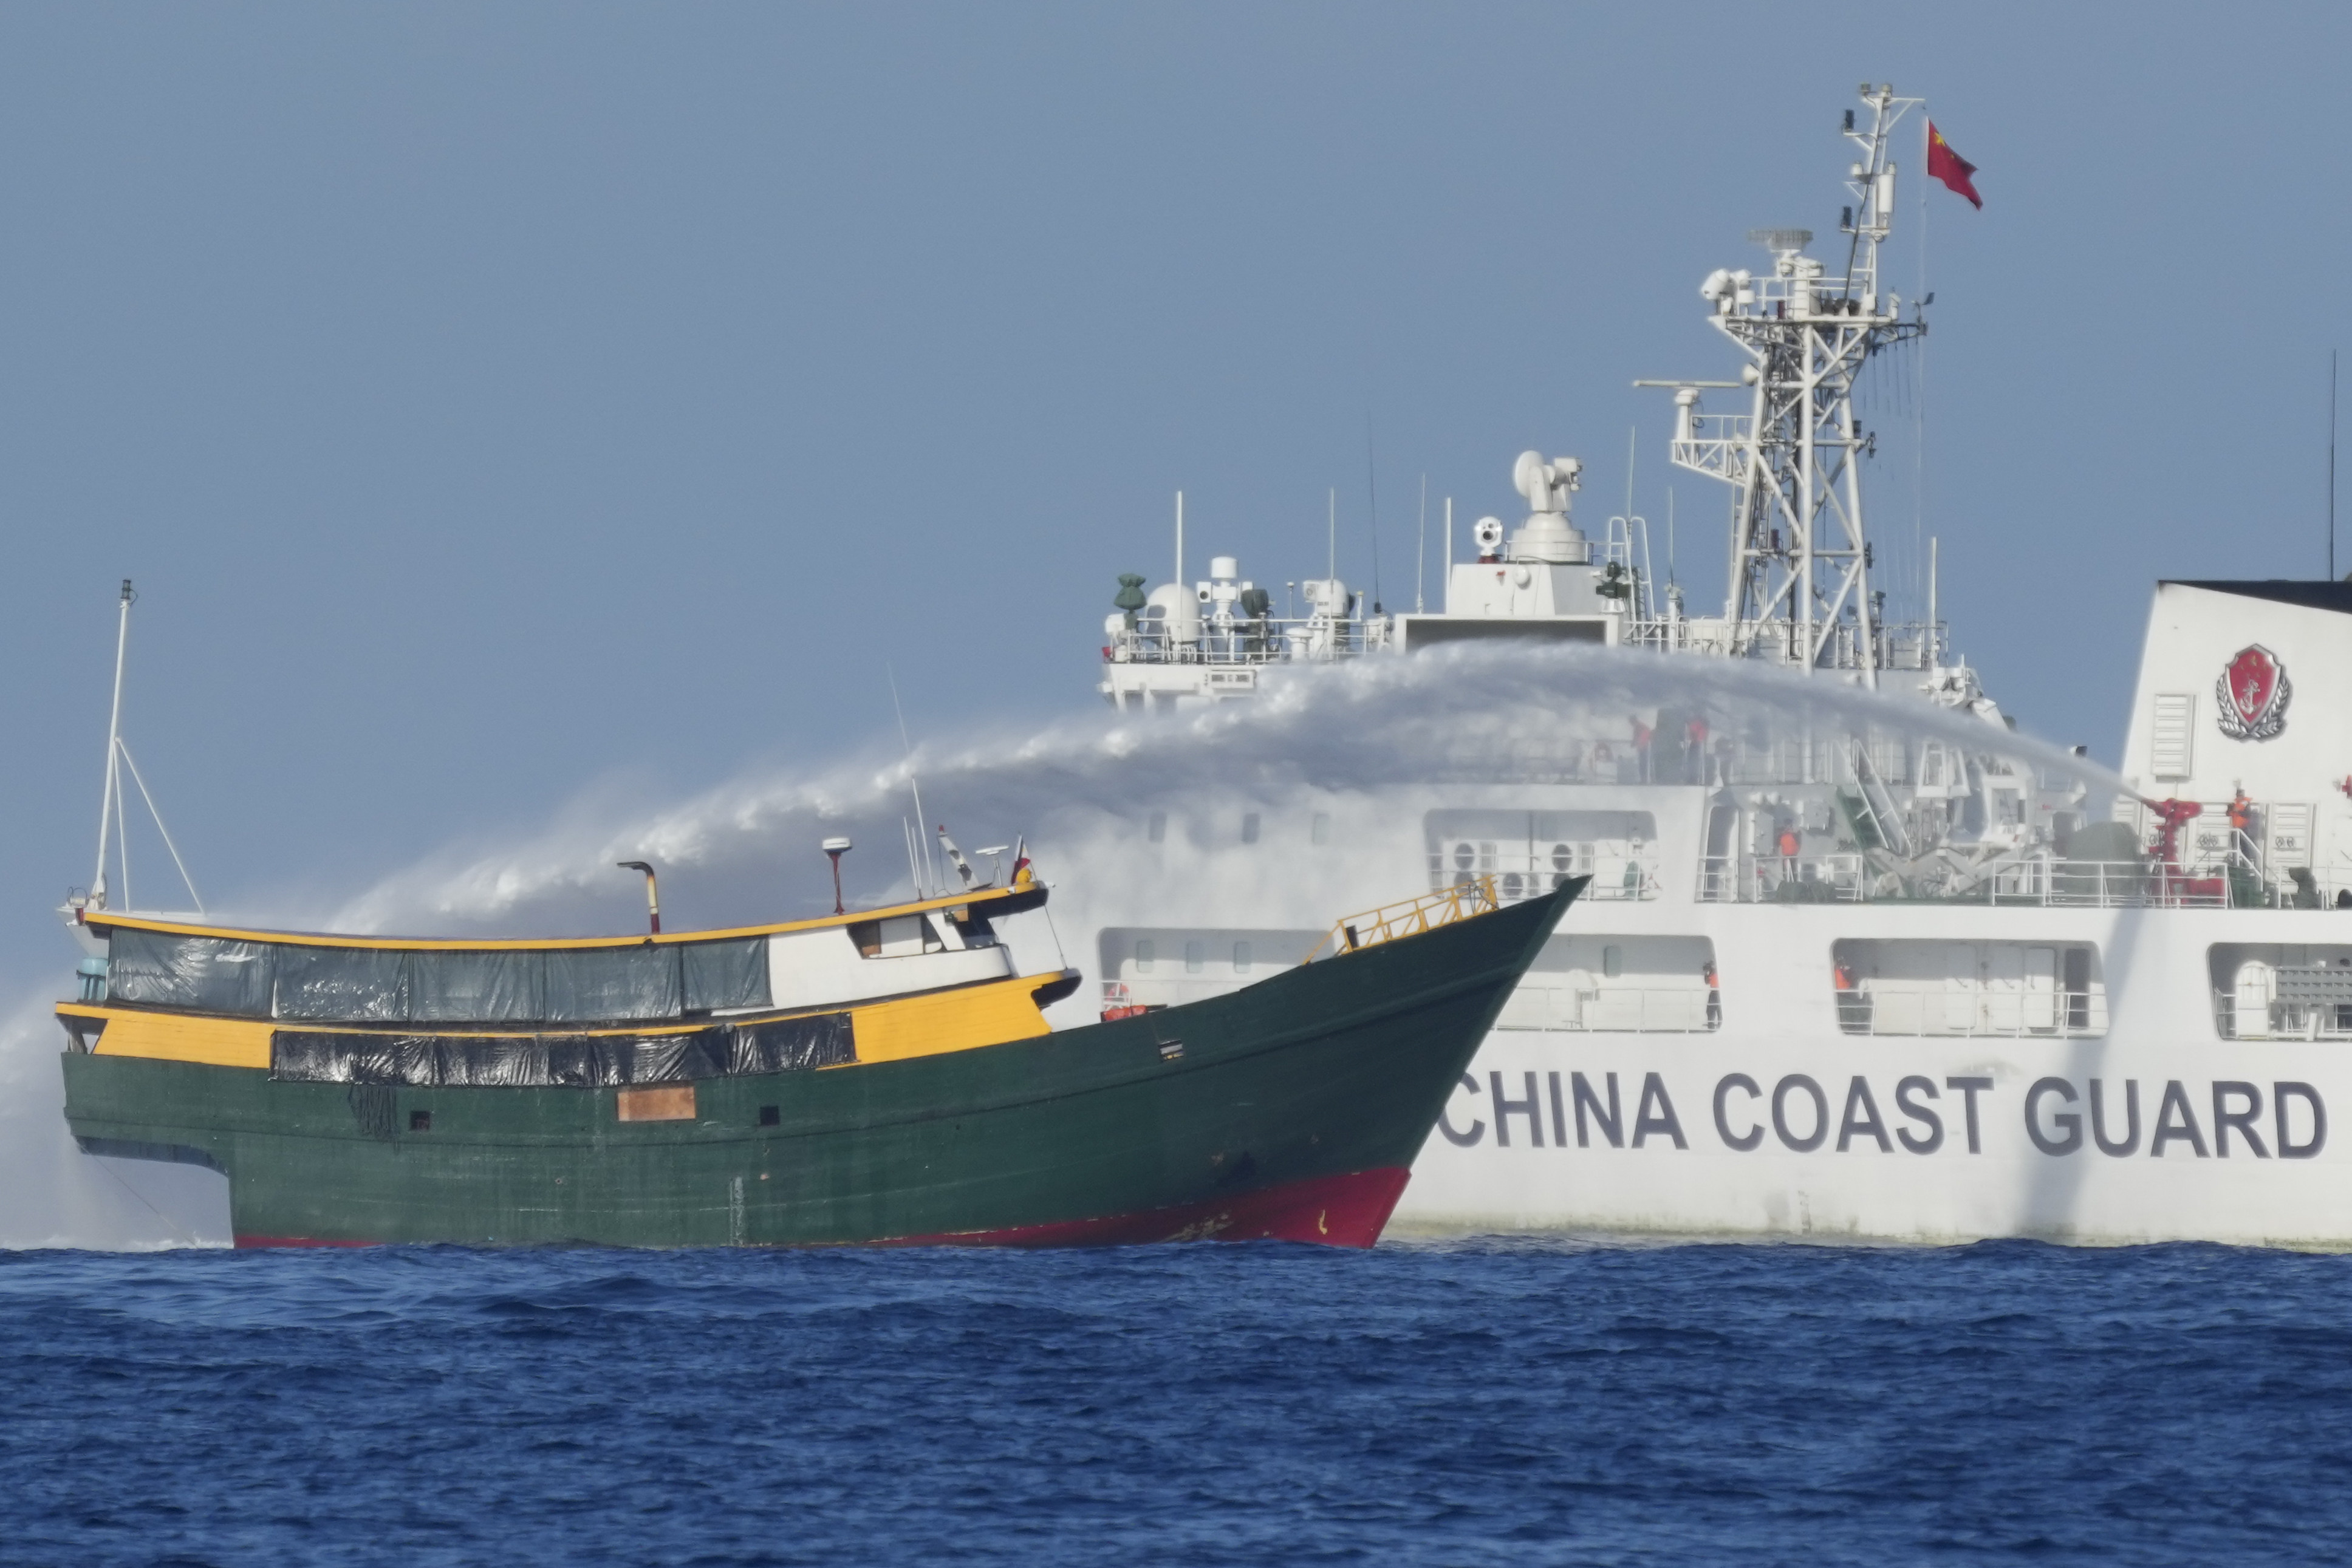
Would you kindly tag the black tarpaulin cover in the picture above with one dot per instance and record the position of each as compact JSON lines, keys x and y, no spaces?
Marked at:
{"x":378,"y":985}
{"x":339,"y":984}
{"x":585,"y":1062}
{"x":492,"y":986}
{"x":792,"y":1045}
{"x":202,"y":973}
{"x":726,"y":974}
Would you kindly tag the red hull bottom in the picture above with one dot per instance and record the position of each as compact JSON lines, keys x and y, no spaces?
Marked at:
{"x":1348,"y":1210}
{"x":1333,"y":1211}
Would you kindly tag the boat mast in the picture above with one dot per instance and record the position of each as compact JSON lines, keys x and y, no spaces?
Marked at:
{"x":113,"y":752}
{"x":1800,"y":566}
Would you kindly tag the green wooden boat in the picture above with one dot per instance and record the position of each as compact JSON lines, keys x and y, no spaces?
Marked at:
{"x":873,"y":1077}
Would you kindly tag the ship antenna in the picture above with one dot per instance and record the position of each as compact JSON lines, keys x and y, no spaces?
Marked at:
{"x":106,"y":803}
{"x":1372,"y":504}
{"x":1421,"y":546}
{"x":2331,"y":468}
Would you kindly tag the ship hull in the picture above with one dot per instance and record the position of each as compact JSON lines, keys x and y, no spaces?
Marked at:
{"x":1289,"y":1110}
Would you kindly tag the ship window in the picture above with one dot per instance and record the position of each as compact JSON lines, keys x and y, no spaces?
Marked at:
{"x":1322,"y":829}
{"x":1143,"y":956}
{"x":1158,"y":829}
{"x":1619,"y":984}
{"x":420,"y":1121}
{"x":1196,"y":957}
{"x":770,"y":1115}
{"x":1241,"y":958}
{"x":1464,"y":857}
{"x":2270,"y":990}
{"x":1973,"y":990}
{"x":1249,"y":829}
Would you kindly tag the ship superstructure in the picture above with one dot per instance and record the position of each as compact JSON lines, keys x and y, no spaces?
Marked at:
{"x":1897,"y":979}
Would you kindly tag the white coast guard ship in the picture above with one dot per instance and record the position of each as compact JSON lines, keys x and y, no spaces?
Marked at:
{"x":1859,"y":980}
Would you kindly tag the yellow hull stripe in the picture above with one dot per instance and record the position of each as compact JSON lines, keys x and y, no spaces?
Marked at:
{"x":960,"y":1019}
{"x":168,"y":1037}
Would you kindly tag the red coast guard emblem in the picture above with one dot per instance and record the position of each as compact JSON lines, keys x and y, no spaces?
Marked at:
{"x":2253,"y":691}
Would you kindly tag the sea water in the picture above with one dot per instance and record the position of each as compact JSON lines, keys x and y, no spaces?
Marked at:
{"x":1465,"y":1404}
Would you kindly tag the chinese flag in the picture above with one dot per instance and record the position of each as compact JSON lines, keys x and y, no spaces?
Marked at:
{"x":1948,"y":166}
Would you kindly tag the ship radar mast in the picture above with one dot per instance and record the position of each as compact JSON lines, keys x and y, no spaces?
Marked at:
{"x":1800,"y":559}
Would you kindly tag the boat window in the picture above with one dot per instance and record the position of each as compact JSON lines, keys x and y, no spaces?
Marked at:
{"x":1995,"y":990}
{"x":1143,"y":956}
{"x":1619,"y":984}
{"x":1241,"y":958}
{"x":1196,"y":957}
{"x":2269,"y":990}
{"x":900,"y":936}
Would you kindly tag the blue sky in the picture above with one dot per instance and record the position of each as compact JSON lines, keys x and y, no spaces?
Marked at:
{"x":497,"y":404}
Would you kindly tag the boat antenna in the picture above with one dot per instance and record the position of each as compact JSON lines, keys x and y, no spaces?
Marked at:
{"x":113,"y":812}
{"x":113,"y":743}
{"x":922,"y":866}
{"x":1372,"y":504}
{"x":1180,"y":543}
{"x":1332,"y":502}
{"x":2331,"y":467}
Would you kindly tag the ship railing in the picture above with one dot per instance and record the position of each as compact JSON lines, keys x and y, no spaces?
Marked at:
{"x":2040,"y":881}
{"x":1273,"y":641}
{"x":2280,"y":1019}
{"x":1783,"y":879}
{"x":1968,"y":1014}
{"x":1410,"y":917}
{"x":1541,"y":1003}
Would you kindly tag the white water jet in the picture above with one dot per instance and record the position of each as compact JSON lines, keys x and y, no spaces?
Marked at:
{"x":746,"y":851}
